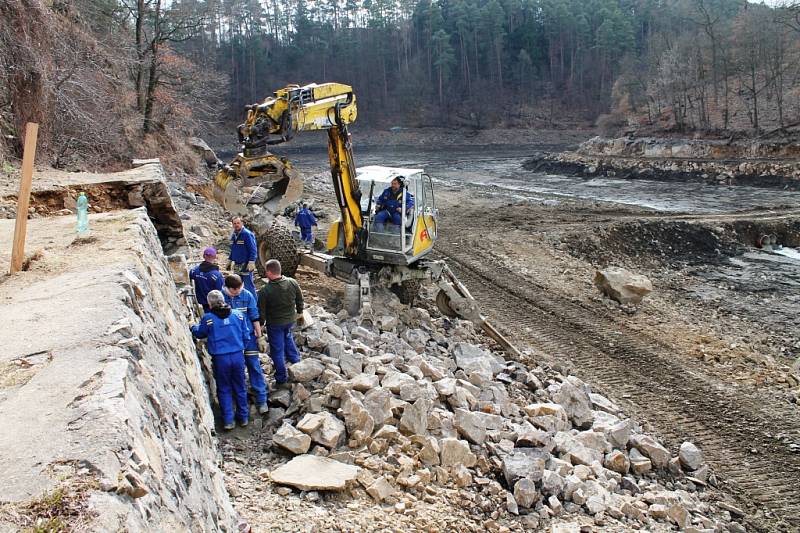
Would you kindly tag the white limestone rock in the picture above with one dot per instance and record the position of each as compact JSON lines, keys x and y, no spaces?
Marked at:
{"x":311,"y":472}
{"x":622,"y":285}
{"x":291,"y":439}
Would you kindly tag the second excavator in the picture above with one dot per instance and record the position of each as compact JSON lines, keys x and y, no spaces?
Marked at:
{"x":366,"y":249}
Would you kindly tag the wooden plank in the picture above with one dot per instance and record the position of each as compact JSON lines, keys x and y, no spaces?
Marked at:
{"x":23,"y":199}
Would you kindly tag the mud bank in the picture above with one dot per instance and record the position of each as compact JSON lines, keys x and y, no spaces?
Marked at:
{"x":105,"y":423}
{"x":713,"y":162}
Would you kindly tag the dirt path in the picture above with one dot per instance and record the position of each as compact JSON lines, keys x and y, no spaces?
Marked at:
{"x":746,"y":432}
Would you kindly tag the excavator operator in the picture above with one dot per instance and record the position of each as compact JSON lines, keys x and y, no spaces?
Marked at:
{"x":389,"y":205}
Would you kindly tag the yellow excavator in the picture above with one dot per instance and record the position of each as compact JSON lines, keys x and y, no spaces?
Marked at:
{"x":365,"y":250}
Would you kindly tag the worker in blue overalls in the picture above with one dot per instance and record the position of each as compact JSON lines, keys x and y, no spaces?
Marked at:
{"x":241,"y":300}
{"x":244,"y":254}
{"x":206,"y":277}
{"x":389,"y":205}
{"x":227,"y":336}
{"x":305,"y":219}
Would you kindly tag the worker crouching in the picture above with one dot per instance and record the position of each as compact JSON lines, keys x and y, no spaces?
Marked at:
{"x":227,"y":335}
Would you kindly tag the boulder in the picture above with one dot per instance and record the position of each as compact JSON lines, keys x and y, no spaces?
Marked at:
{"x":415,"y":417}
{"x":378,"y":401}
{"x":311,"y":472}
{"x":639,"y":463}
{"x":471,"y":358}
{"x":678,"y":515}
{"x":324,"y":428}
{"x":306,"y":370}
{"x":552,"y":483}
{"x":445,"y":387}
{"x":525,"y":493}
{"x":470,"y":426}
{"x":619,"y":434}
{"x":380,"y":489}
{"x":456,"y":452}
{"x":535,"y":439}
{"x":618,"y":462}
{"x":651,"y":448}
{"x":576,"y":402}
{"x":431,"y":371}
{"x":690,"y":456}
{"x":550,"y":417}
{"x":394,"y":380}
{"x":357,"y":419}
{"x":351,"y":363}
{"x":289,"y":438}
{"x":429,"y":455}
{"x":622,"y":286}
{"x":524,"y":462}
{"x":365,"y":382}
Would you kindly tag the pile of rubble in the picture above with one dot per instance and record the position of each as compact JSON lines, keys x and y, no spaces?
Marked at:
{"x":412,"y":412}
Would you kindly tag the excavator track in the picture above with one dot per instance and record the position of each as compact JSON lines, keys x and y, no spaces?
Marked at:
{"x":734,"y":427}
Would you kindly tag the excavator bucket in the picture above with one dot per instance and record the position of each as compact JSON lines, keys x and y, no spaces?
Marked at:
{"x":267,"y":181}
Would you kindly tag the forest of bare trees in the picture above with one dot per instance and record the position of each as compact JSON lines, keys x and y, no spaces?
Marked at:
{"x":103,"y":76}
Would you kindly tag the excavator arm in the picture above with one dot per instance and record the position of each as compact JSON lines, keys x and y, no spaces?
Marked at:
{"x":328,"y":106}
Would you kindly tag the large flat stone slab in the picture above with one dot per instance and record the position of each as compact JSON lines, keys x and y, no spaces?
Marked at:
{"x":311,"y":472}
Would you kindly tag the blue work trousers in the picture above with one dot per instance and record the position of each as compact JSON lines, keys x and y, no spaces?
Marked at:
{"x":306,"y":235}
{"x":384,"y":216}
{"x":231,"y":386}
{"x":255,"y":372}
{"x":247,"y":279}
{"x":281,"y":348}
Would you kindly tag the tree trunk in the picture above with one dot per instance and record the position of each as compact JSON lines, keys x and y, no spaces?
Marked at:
{"x":152,"y":84}
{"x":140,"y":54}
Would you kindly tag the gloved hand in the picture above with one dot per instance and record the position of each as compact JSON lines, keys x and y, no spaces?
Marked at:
{"x":251,"y":266}
{"x":299,"y":319}
{"x":263,"y":346}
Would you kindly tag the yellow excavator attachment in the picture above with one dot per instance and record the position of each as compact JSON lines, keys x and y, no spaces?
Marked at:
{"x":266,"y":180}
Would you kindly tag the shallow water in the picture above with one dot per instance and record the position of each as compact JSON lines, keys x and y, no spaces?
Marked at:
{"x":498,"y":171}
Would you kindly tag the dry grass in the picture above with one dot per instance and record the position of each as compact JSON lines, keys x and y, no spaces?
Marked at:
{"x":63,"y":509}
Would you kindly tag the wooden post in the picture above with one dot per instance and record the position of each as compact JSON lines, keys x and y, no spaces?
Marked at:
{"x":23,"y":200}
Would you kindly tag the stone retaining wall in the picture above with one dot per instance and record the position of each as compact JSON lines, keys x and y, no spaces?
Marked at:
{"x":111,"y":407}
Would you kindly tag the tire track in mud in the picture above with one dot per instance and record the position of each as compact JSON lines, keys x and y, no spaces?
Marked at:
{"x":681,"y":400}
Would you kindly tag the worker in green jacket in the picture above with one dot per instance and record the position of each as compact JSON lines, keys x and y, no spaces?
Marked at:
{"x":280,"y":302}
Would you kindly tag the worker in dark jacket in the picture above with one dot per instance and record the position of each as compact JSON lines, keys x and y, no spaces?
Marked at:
{"x":389,"y":205}
{"x":305,"y":219}
{"x":227,"y":336}
{"x":280,"y":301}
{"x":241,"y":300}
{"x":244,"y":253}
{"x":206,"y":277}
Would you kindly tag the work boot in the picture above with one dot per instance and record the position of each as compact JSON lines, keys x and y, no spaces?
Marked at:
{"x":263,"y":408}
{"x":244,"y":423}
{"x":228,"y":427}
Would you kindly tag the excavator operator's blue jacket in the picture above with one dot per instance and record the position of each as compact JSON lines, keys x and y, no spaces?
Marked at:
{"x":243,"y":247}
{"x":225,"y":329}
{"x":391,"y":200}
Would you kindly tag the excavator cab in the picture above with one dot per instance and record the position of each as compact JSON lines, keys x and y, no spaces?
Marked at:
{"x":387,"y":241}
